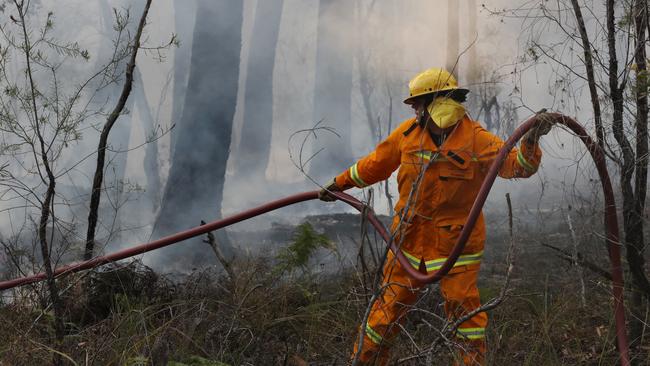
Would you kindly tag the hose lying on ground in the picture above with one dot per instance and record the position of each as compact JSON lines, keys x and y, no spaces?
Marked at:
{"x":611,"y":224}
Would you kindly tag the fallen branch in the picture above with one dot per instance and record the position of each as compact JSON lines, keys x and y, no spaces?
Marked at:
{"x":581,"y":276}
{"x":564,"y":254}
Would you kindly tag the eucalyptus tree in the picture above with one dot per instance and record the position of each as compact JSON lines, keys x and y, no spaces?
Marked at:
{"x":194,"y":188}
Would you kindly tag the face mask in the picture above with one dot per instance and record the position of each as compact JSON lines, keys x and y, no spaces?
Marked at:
{"x":445,"y":112}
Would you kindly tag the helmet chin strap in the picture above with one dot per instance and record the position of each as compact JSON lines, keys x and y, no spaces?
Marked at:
{"x":421,"y":120}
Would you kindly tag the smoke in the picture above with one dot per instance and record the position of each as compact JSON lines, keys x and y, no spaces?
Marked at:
{"x":390,"y":41}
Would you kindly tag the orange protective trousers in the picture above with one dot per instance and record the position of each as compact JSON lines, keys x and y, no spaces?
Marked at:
{"x":400,"y":293}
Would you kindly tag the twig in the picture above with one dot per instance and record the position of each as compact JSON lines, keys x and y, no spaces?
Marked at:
{"x":212,"y":241}
{"x":563,"y":254}
{"x":574,"y":258}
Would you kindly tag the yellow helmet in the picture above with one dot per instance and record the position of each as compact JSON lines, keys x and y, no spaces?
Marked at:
{"x":432,"y":81}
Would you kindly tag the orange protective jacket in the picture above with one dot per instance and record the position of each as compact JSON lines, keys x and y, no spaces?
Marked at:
{"x":432,"y":221}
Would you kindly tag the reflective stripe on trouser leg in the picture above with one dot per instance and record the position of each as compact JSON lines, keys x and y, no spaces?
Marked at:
{"x":470,"y":333}
{"x":436,"y":264}
{"x":386,"y":311}
{"x":461,"y":297}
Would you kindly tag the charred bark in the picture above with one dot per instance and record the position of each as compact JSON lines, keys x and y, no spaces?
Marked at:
{"x":194,"y":189}
{"x":184,"y":14}
{"x":633,"y":219}
{"x":452,"y":37}
{"x":150,"y":163}
{"x":472,"y":73}
{"x":255,"y":145}
{"x":332,"y":105}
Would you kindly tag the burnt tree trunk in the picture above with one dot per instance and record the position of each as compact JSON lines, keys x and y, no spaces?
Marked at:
{"x":255,"y":146}
{"x":364,"y":57}
{"x":332,"y":105}
{"x":184,"y":16}
{"x":194,"y":189}
{"x":148,"y":123}
{"x":472,"y":72}
{"x":633,"y":218}
{"x":632,"y":164}
{"x":452,"y":37}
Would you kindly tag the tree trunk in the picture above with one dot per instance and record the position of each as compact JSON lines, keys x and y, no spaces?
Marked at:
{"x":472,"y":72}
{"x":184,"y":15}
{"x":150,"y":163}
{"x":452,"y":37}
{"x":633,"y":219}
{"x":364,"y":56}
{"x":591,"y":80}
{"x":98,"y":179}
{"x":194,"y":189}
{"x":332,"y":105}
{"x":255,"y":148}
{"x":47,"y":203}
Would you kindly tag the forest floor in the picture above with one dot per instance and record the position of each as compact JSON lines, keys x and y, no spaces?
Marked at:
{"x":281,"y":311}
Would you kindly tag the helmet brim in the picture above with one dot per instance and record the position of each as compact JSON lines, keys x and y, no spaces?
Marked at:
{"x":457,"y":93}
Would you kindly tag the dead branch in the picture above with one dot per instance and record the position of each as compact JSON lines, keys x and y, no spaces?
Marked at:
{"x":574,"y":241}
{"x":212,"y":241}
{"x":567,"y":256}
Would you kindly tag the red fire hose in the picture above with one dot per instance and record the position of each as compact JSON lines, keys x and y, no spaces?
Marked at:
{"x":611,"y":225}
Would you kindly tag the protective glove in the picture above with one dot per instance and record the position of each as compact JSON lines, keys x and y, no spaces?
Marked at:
{"x":543,"y":127}
{"x":325,"y":195}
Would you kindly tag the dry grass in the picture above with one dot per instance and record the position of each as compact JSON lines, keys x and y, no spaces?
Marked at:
{"x":263,"y":318}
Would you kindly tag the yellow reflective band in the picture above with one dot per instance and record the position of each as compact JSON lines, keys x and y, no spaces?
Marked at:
{"x":354,"y":174}
{"x":524,"y":163}
{"x":425,"y":154}
{"x":415,"y":262}
{"x":428,"y":154}
{"x":374,"y":336}
{"x":470,"y":333}
{"x":436,"y":264}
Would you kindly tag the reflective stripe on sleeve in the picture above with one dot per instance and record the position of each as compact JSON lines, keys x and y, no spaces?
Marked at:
{"x":524,"y":163}
{"x":436,"y":264}
{"x":354,"y":174}
{"x":374,"y":336}
{"x":470,"y":333}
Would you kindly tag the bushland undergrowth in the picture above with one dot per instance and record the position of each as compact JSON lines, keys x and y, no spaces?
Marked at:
{"x":140,"y":318}
{"x":272,"y":315}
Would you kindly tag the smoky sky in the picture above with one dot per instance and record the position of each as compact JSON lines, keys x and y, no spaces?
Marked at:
{"x":391,"y":41}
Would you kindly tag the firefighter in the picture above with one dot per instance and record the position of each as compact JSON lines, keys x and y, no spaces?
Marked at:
{"x":443,"y":157}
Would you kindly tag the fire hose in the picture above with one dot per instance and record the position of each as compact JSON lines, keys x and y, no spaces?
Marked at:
{"x":611,"y":225}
